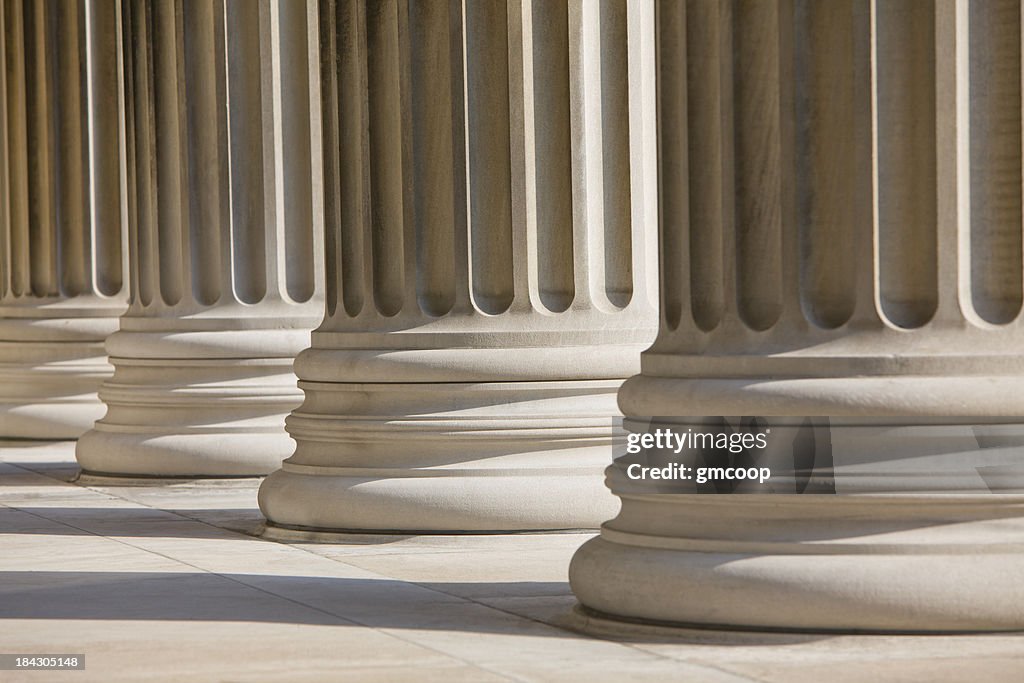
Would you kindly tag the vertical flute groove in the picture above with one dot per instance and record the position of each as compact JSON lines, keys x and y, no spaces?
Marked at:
{"x":489,"y":155}
{"x":205,"y":167}
{"x":5,"y":163}
{"x":328,"y":49}
{"x":827,"y":159}
{"x":72,"y":154}
{"x":434,"y":195}
{"x":707,"y":167}
{"x":615,"y":94}
{"x":142,"y":120}
{"x":107,"y":218}
{"x":42,"y":207}
{"x":351,"y":116}
{"x":329,"y":26}
{"x":673,"y":171}
{"x":168,"y":114}
{"x":387,"y":188}
{"x":996,"y":218}
{"x":246,"y":121}
{"x":550,"y":120}
{"x":906,"y":139}
{"x":296,"y":225}
{"x":17,"y":138}
{"x":758,"y":162}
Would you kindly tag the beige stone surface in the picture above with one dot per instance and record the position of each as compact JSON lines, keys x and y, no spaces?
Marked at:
{"x":167,"y":582}
{"x":489,"y":203}
{"x":62,"y":227}
{"x":840,"y":223}
{"x":225,"y":244}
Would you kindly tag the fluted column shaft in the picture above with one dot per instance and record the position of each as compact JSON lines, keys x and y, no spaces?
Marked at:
{"x":225,"y":239}
{"x":841,"y":225}
{"x":61,"y":222}
{"x":489,"y":204}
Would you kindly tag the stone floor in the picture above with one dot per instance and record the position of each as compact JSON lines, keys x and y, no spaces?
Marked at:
{"x":171,"y":581}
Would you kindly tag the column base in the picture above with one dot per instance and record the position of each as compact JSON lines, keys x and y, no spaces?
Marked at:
{"x":178,"y":406}
{"x":423,"y":502}
{"x":50,"y":372}
{"x":85,"y":478}
{"x":201,"y":454}
{"x":274,"y":532}
{"x":924,"y":533}
{"x":857,"y":563}
{"x":442,"y":458}
{"x":55,"y":419}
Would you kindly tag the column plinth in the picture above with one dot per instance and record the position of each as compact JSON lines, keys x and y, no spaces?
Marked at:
{"x":841,"y":236}
{"x":490,"y":267}
{"x":225,"y":240}
{"x":61,"y":252}
{"x":489,"y":437}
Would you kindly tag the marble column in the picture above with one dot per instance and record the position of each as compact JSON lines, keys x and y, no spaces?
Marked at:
{"x":840,"y":195}
{"x":62,"y":226}
{"x":225,"y":239}
{"x":490,"y":215}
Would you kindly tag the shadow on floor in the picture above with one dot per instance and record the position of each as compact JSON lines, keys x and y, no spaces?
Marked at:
{"x":139,"y":522}
{"x":203,"y":596}
{"x":369,"y":602}
{"x":39,"y":474}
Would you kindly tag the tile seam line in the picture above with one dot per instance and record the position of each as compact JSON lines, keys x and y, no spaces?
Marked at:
{"x":573,"y":633}
{"x":568,"y":631}
{"x":740,"y":678}
{"x":108,"y":494}
{"x":347,"y":620}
